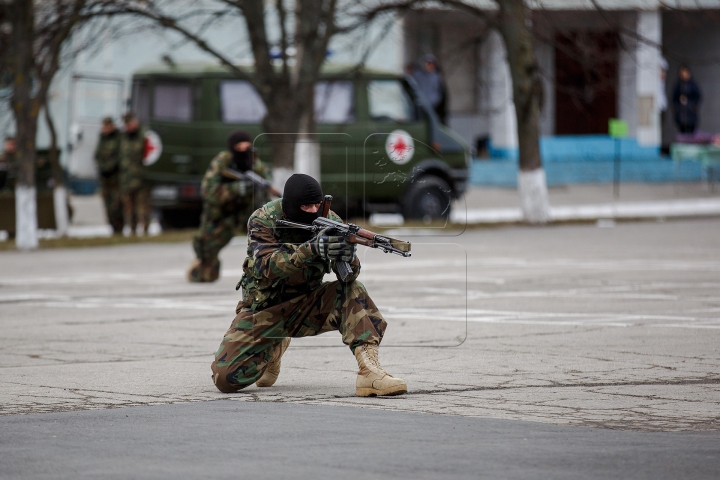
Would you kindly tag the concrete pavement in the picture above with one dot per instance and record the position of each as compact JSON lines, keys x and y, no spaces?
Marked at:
{"x":514,"y":342}
{"x":571,"y":325}
{"x":227,"y":439}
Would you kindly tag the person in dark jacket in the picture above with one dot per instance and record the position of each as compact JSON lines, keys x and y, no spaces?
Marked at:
{"x":430,"y":80}
{"x":107,"y":158}
{"x":686,"y":100}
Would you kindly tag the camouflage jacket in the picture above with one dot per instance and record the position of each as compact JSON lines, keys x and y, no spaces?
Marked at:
{"x":220,"y":194}
{"x":132,"y":151}
{"x":280,"y":264}
{"x":107,"y":154}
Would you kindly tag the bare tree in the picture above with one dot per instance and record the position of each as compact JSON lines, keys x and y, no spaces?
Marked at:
{"x":512,"y":20}
{"x":33,"y":36}
{"x":289,"y":41}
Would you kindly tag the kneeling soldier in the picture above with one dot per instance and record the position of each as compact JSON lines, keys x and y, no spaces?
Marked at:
{"x":227,"y":204}
{"x":284,"y":296}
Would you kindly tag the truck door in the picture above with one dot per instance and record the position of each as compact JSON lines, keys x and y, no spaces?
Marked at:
{"x":396,"y":139}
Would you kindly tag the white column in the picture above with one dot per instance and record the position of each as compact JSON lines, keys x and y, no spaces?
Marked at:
{"x":647,"y":80}
{"x":501,"y":110}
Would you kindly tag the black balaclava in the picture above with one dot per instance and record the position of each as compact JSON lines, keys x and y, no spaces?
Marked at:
{"x":242,"y":161}
{"x":301,"y":189}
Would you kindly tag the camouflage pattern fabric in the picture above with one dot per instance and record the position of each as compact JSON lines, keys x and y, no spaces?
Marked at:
{"x":132,"y":150}
{"x":136,"y":207}
{"x":107,"y":153}
{"x":110,"y":189}
{"x":107,"y":158}
{"x":224,"y":209}
{"x":249,"y":344}
{"x":278,"y":261}
{"x":284,"y":296}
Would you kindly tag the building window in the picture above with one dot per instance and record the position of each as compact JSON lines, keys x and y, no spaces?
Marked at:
{"x":334,"y":102}
{"x":173,"y":102}
{"x":240,"y":102}
{"x":390,"y":102}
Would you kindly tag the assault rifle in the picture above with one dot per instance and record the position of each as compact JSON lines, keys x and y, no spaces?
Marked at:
{"x":352,"y":233}
{"x":259,"y":181}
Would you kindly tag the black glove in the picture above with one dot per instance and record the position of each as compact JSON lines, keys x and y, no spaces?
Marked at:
{"x":332,"y":247}
{"x":343,"y":251}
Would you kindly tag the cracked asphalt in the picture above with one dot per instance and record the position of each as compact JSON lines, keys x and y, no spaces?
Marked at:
{"x":613,"y":328}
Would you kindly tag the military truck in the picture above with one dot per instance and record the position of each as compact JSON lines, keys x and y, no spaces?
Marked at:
{"x":382,"y":148}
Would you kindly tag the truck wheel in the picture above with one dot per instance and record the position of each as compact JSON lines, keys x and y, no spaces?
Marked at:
{"x":428,"y":198}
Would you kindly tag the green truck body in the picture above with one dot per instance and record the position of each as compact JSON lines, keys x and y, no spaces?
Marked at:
{"x":382,"y":148}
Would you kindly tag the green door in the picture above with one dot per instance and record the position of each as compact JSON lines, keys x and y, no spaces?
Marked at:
{"x":395,"y":141}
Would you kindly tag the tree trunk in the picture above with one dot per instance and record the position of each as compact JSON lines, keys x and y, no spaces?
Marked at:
{"x":26,"y":112}
{"x":527,"y":97}
{"x":62,"y":222}
{"x":282,"y":135}
{"x":307,"y":148}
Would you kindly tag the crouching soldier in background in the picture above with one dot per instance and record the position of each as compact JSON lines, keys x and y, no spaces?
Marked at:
{"x":227,"y":204}
{"x":107,"y":158}
{"x":284,"y":296}
{"x":134,"y":193}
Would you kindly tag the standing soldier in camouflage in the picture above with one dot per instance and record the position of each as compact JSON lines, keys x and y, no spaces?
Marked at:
{"x":284,"y":296}
{"x":227,"y":204}
{"x":107,"y":158}
{"x":134,"y":193}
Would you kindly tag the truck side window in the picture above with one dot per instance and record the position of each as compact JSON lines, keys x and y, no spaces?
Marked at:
{"x":390,"y":102}
{"x":334,"y":102}
{"x":240,"y":102}
{"x":172,"y":101}
{"x":140,"y":101}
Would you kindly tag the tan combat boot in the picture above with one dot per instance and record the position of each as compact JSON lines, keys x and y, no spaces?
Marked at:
{"x":193,"y":273}
{"x":372,"y":379}
{"x":270,"y":375}
{"x":203,"y":271}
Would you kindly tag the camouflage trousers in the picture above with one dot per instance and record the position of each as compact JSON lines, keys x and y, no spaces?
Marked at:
{"x":215,"y":232}
{"x":110,"y":189}
{"x":136,"y":207}
{"x":249,"y":344}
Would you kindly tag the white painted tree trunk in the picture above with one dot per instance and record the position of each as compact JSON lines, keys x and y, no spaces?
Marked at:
{"x":532,"y":187}
{"x":26,"y":228}
{"x":280,"y":176}
{"x":307,"y":157}
{"x":62,"y":222}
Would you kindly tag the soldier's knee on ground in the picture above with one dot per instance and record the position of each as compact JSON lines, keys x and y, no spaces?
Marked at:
{"x":230,"y":378}
{"x":225,"y":386}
